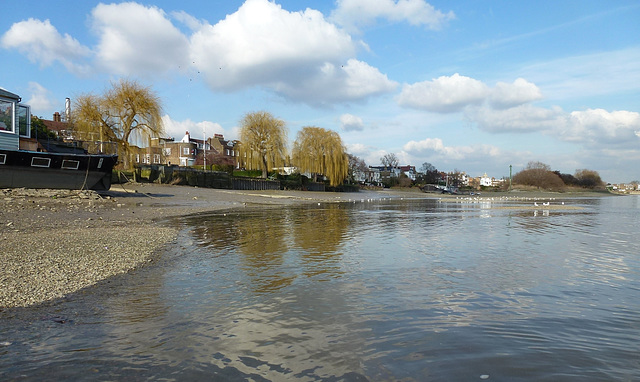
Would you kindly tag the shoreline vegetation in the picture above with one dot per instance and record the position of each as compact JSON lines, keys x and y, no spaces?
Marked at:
{"x":56,"y":242}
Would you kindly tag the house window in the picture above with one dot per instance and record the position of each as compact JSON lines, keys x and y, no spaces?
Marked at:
{"x":185,"y":151}
{"x":167,"y":151}
{"x":137,"y":158}
{"x":6,"y":116}
{"x":147,"y":158}
{"x":156,"y":158}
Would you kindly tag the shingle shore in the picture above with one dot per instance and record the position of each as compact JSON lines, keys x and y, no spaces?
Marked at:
{"x":55,"y":242}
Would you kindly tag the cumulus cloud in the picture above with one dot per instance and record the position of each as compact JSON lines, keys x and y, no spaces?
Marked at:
{"x":299,"y":55}
{"x":356,"y":80}
{"x":351,"y":122}
{"x":476,"y":158}
{"x":43,"y":44}
{"x":519,"y":119}
{"x":358,"y":149}
{"x":521,"y":91}
{"x":356,"y":13}
{"x":137,"y":39}
{"x":591,"y":127}
{"x":40,"y":100}
{"x":595,"y":127}
{"x":445,"y":94}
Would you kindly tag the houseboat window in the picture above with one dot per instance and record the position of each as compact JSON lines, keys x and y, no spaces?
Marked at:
{"x":100,"y":162}
{"x":70,"y":164}
{"x":6,"y":116}
{"x":3,"y":158}
{"x":40,"y":162}
{"x":24,"y":121}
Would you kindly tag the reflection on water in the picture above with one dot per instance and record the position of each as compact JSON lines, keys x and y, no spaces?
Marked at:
{"x":375,"y":290}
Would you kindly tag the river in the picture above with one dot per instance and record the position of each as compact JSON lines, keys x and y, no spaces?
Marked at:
{"x":368,"y":290}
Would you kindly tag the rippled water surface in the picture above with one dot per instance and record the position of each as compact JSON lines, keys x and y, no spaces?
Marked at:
{"x":379,"y":290}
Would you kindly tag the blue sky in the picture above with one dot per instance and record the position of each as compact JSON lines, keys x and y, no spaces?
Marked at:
{"x":473,"y":86}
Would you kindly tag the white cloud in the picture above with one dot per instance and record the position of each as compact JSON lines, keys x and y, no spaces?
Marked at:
{"x":40,"y":100}
{"x":351,"y":122}
{"x":473,"y":159}
{"x":135,"y":39}
{"x":521,"y":91}
{"x":43,"y":44}
{"x":445,"y":94}
{"x":358,"y":149}
{"x":519,"y":119}
{"x":591,"y":128}
{"x":177,"y":129}
{"x":598,"y":127}
{"x":261,"y":43}
{"x":435,"y":147}
{"x":354,"y":81}
{"x":354,"y":13}
{"x":299,"y":55}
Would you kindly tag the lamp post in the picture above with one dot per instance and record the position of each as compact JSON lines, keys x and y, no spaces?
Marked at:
{"x":510,"y":176}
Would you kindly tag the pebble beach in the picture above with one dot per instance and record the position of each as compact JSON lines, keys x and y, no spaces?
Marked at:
{"x":55,"y":242}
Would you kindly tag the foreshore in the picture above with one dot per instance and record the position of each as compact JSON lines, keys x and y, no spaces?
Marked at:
{"x":55,"y":242}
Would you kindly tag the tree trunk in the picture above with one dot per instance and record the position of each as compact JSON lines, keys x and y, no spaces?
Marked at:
{"x":264,"y":167}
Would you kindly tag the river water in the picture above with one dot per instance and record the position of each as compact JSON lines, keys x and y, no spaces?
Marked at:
{"x":378,"y":290}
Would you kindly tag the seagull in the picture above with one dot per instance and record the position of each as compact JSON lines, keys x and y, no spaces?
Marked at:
{"x":545,"y":204}
{"x":535,"y":204}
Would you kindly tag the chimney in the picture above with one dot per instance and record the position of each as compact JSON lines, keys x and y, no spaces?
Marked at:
{"x":67,"y":109}
{"x":56,"y":117}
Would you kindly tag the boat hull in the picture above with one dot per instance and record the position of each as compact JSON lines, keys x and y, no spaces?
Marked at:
{"x":31,"y":169}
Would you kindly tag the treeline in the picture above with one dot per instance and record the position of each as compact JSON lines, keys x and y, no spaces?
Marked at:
{"x":537,"y":174}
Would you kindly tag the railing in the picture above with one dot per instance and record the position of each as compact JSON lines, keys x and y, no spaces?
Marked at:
{"x":255,"y":184}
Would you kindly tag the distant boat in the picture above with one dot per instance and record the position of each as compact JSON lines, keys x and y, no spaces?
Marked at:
{"x":42,"y":169}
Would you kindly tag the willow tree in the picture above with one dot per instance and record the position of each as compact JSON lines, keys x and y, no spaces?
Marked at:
{"x":263,"y":142}
{"x":321,"y":152}
{"x":127,"y":114}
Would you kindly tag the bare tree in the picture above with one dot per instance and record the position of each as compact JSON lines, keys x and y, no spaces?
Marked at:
{"x":389,"y":160}
{"x":356,"y":165}
{"x":263,"y":141}
{"x":427,"y":167}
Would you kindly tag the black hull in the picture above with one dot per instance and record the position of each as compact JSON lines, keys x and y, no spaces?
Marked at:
{"x":30,"y":169}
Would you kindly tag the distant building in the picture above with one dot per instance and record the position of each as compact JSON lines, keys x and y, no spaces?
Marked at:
{"x":409,"y":171}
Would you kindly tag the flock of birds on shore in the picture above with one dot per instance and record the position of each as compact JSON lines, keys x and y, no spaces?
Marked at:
{"x":537,"y":202}
{"x":477,"y":199}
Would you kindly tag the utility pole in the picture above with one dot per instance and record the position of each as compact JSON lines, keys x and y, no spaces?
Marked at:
{"x":204,"y":147}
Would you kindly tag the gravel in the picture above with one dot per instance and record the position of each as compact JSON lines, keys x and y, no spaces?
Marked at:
{"x":54,"y":242}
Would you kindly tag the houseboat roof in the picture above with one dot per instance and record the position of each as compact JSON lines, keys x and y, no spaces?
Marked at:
{"x":6,"y":94}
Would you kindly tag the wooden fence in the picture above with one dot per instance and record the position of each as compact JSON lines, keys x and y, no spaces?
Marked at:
{"x":194,"y":177}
